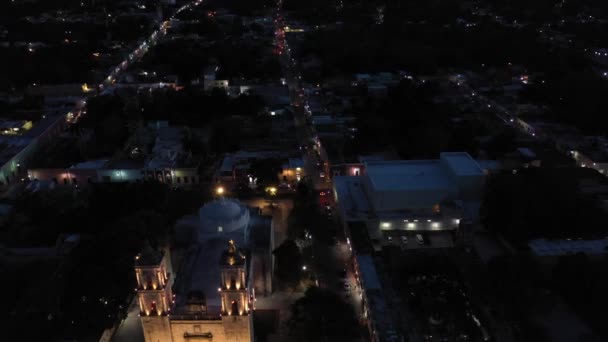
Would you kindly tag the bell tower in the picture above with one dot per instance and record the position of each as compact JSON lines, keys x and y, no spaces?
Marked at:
{"x":154,"y":281}
{"x":234,"y":293}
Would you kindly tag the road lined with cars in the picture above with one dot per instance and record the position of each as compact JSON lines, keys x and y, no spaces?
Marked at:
{"x":332,"y":267}
{"x":315,"y":157}
{"x":143,"y":47}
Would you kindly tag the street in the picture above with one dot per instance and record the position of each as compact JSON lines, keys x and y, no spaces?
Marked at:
{"x":316,"y":163}
{"x":129,"y":329}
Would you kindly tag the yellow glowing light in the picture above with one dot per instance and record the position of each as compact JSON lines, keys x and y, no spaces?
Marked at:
{"x":219,"y":190}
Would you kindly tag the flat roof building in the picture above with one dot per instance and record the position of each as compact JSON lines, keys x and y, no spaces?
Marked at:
{"x":413,"y":196}
{"x":414,"y":186}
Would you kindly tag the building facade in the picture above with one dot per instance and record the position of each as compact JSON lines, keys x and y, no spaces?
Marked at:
{"x":196,"y":318}
{"x":177,"y":177}
{"x":413,"y":203}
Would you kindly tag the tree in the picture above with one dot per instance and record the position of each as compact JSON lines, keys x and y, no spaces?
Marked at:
{"x":289,"y":262}
{"x":501,"y":143}
{"x":543,"y":202}
{"x":266,"y":170}
{"x":582,"y":282}
{"x":322,"y":315}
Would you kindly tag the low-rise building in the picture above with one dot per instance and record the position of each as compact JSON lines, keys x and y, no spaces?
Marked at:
{"x":16,"y":151}
{"x":235,"y":167}
{"x":375,"y":310}
{"x":416,"y":203}
{"x":167,"y":163}
{"x":293,"y":170}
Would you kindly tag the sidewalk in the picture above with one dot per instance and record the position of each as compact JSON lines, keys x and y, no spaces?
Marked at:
{"x":130,"y":329}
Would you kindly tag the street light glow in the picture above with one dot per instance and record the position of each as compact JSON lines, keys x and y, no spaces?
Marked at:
{"x":219,"y":190}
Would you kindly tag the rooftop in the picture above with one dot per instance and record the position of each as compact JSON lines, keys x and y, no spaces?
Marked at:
{"x":543,"y":247}
{"x":369,"y":277}
{"x":461,"y":163}
{"x":201,"y":272}
{"x":360,"y":238}
{"x":406,"y":174}
{"x":351,"y":197}
{"x":401,"y":175}
{"x":379,"y":312}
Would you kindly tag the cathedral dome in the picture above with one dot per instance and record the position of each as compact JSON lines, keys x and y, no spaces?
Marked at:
{"x":223,"y":216}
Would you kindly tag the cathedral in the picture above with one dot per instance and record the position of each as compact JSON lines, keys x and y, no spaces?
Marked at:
{"x":212,"y":297}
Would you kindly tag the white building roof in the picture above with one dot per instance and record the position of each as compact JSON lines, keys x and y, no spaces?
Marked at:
{"x":406,"y":174}
{"x":461,"y":164}
{"x":390,"y":186}
{"x":421,"y":174}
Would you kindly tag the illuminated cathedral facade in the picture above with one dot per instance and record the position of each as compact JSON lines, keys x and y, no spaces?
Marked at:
{"x":224,"y":315}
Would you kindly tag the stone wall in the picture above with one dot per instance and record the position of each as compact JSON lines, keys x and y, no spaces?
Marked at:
{"x":156,"y":328}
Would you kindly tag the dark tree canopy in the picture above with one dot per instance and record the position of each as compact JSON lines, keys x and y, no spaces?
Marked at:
{"x":543,"y":202}
{"x":266,"y":170}
{"x":322,"y":315}
{"x":289,"y":262}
